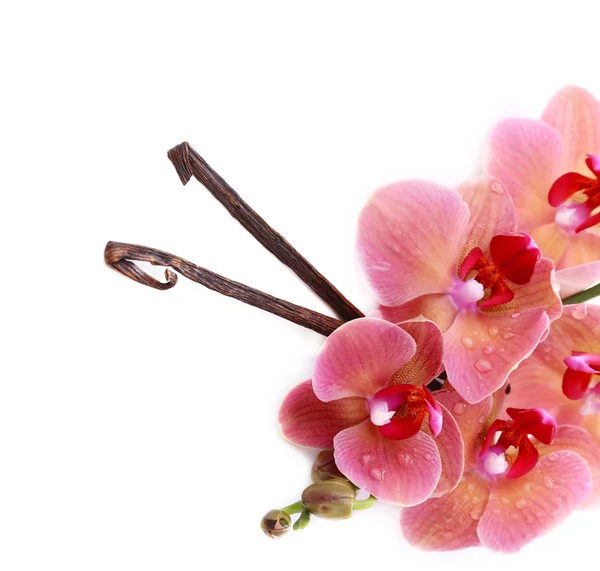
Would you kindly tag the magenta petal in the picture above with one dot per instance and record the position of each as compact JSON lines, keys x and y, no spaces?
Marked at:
{"x":526,"y":460}
{"x":575,"y":384}
{"x":526,"y":155}
{"x":566,"y":186}
{"x":515,"y":256}
{"x":534,"y":421}
{"x":524,"y":508}
{"x":450,"y":521}
{"x":480,"y":350}
{"x":408,"y":239}
{"x":578,"y":278}
{"x":403,"y":472}
{"x":360,"y":357}
{"x":435,"y":413}
{"x":308,"y":421}
{"x":401,"y":427}
{"x":452,"y":453}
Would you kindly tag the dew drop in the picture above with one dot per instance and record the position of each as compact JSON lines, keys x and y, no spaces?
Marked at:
{"x":428,"y":456}
{"x":375,"y":473}
{"x":495,"y":511}
{"x":468,"y":343}
{"x":483,"y":365}
{"x":515,"y":315}
{"x":475,"y":514}
{"x":493,"y":331}
{"x":488,"y":349}
{"x":508,"y":335}
{"x":529,"y":519}
{"x":505,"y":501}
{"x":459,"y":407}
{"x":579,"y":312}
{"x":496,"y":187}
{"x":365,"y":459}
{"x":549,"y":482}
{"x":521,"y":503}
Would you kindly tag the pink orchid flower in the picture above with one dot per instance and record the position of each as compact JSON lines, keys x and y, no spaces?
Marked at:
{"x":369,"y":401}
{"x":522,"y":478}
{"x":563,"y":374}
{"x":455,"y":258}
{"x":551,"y":168}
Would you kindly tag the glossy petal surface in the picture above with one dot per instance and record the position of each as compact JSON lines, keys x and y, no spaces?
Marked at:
{"x":403,"y":472}
{"x":578,"y":278}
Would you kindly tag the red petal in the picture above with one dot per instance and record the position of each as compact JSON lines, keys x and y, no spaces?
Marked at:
{"x":593,"y":163}
{"x":575,"y":384}
{"x":591,"y":221}
{"x":526,"y":459}
{"x":401,"y":427}
{"x":501,"y":293}
{"x":468,"y":263}
{"x":534,"y":421}
{"x":496,"y":426}
{"x":566,"y":186}
{"x":515,"y":256}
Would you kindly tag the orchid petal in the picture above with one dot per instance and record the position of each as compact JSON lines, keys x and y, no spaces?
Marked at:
{"x":308,"y":421}
{"x":469,"y":418}
{"x":525,"y":461}
{"x":575,"y":384}
{"x":578,"y":278}
{"x":534,"y":421}
{"x":438,"y":308}
{"x":481,"y":350}
{"x":566,"y":186}
{"x":451,"y":448}
{"x":526,"y":156}
{"x":515,"y":256}
{"x":524,"y":508}
{"x":426,"y":364}
{"x":408,"y":239}
{"x":551,"y":240}
{"x":575,"y":114}
{"x":579,"y":441}
{"x":448,"y":522}
{"x":582,"y":248}
{"x":403,"y":472}
{"x":402,"y":427}
{"x":491,"y":212}
{"x":360,"y":357}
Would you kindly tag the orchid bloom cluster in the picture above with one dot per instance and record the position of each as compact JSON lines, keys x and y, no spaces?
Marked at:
{"x":470,"y":396}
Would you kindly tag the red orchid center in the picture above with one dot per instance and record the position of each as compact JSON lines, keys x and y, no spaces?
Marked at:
{"x":581,"y":380}
{"x":400,"y":410}
{"x":577,"y":198}
{"x":512,"y":258}
{"x":514,"y":434}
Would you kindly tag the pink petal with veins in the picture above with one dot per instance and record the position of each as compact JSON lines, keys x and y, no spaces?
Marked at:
{"x":308,"y":421}
{"x":450,"y":521}
{"x":403,"y":472}
{"x":526,"y":156}
{"x":521,"y":509}
{"x":582,"y":248}
{"x":360,"y":357}
{"x":575,"y":114}
{"x":578,"y":278}
{"x":451,"y":448}
{"x":552,"y":241}
{"x":481,"y":350}
{"x":408,"y":240}
{"x":491,"y":212}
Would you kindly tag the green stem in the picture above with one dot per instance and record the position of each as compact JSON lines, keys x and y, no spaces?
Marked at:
{"x":583,"y":296}
{"x":365,"y":504}
{"x":294,"y":508}
{"x":303,"y":520}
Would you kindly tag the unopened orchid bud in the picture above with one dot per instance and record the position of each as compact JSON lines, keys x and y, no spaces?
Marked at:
{"x":276,"y":523}
{"x":332,"y":499}
{"x":325,"y":467}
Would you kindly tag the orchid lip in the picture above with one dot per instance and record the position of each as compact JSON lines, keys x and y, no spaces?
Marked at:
{"x":466,"y":294}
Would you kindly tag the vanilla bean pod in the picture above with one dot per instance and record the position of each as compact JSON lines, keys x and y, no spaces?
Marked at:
{"x":188,"y":163}
{"x":121,"y":257}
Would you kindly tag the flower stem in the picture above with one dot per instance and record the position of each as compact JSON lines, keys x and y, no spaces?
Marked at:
{"x":303,"y":520}
{"x":188,"y":163}
{"x":294,"y":508}
{"x":365,"y":504}
{"x":583,"y":296}
{"x":121,"y":256}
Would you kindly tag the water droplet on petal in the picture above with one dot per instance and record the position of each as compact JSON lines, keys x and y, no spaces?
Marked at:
{"x":529,"y":519}
{"x":475,"y":513}
{"x":496,"y":187}
{"x":520,"y":504}
{"x":505,"y":501}
{"x":468,"y":343}
{"x":495,"y":511}
{"x":493,"y":331}
{"x":549,"y":482}
{"x":375,"y":473}
{"x":488,"y":349}
{"x":483,"y":365}
{"x":459,"y":407}
{"x":508,"y":335}
{"x":580,"y":312}
{"x":428,"y":456}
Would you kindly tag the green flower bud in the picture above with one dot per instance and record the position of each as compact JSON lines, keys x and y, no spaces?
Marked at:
{"x":330,"y":499}
{"x":325,"y":467}
{"x":276,"y":523}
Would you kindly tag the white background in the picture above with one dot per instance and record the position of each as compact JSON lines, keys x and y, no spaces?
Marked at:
{"x":138,"y":428}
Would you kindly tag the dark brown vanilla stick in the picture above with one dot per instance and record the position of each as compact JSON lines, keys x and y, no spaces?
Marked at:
{"x":121,"y":257}
{"x":188,"y":163}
